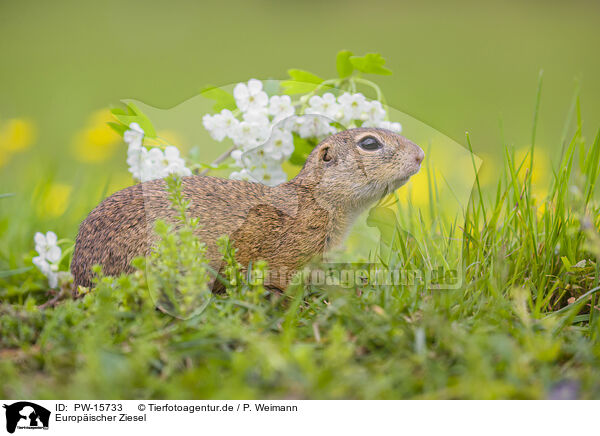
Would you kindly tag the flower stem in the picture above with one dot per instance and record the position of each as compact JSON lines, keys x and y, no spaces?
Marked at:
{"x":377,"y":89}
{"x":218,"y":160}
{"x":306,"y":97}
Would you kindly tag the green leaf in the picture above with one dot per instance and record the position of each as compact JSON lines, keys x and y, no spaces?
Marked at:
{"x":302,"y":148}
{"x":13,"y":272}
{"x":304,"y":76}
{"x":117,"y":111}
{"x":343,"y":64}
{"x":301,"y":83}
{"x":292,"y":87}
{"x":371,"y":63}
{"x":118,"y":127}
{"x":223,"y":99}
{"x":297,"y":158}
{"x":134,"y":115}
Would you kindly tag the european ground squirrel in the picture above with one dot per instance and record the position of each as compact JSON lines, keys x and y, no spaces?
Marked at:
{"x":286,"y":225}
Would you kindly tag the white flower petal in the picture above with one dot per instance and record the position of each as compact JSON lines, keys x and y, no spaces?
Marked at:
{"x":52,"y":279}
{"x":240,"y":91}
{"x":41,"y":264}
{"x":51,"y":238}
{"x":136,"y":127}
{"x":39,"y":239}
{"x":171,"y":152}
{"x":53,"y":254}
{"x":255,"y":86}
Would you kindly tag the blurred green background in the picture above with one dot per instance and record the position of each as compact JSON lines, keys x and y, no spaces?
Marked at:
{"x":457,"y":66}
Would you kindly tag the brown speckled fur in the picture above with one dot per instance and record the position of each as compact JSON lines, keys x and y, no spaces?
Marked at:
{"x":286,"y":225}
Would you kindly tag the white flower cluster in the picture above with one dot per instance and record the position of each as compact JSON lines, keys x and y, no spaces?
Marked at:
{"x":154,"y":163}
{"x":263,"y":135}
{"x":261,"y":141}
{"x":350,"y":109}
{"x":48,"y":256}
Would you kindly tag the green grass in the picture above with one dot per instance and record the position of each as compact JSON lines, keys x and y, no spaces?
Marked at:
{"x":524,"y":321}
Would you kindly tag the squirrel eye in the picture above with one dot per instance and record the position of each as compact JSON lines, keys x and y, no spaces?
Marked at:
{"x":326,"y":156}
{"x":369,"y":144}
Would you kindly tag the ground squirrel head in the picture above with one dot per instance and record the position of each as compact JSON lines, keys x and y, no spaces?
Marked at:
{"x":357,"y":167}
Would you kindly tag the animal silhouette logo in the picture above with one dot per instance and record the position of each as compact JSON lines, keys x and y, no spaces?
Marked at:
{"x":26,"y":415}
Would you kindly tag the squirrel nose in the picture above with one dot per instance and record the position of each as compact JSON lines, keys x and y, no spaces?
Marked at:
{"x":420,"y":155}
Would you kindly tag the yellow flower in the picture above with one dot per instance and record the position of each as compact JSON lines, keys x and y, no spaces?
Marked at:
{"x":541,"y":209}
{"x":16,"y":135}
{"x":417,"y":189}
{"x":54,"y":200}
{"x":540,"y":173}
{"x":97,"y":141}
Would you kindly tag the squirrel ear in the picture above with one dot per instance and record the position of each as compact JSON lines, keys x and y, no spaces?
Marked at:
{"x":325,"y":154}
